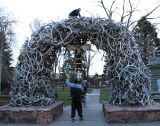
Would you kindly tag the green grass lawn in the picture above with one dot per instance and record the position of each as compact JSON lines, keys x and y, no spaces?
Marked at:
{"x":64,"y":95}
{"x":104,"y":94}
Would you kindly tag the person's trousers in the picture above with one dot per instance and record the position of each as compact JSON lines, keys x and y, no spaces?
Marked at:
{"x":76,"y":105}
{"x":84,"y":100}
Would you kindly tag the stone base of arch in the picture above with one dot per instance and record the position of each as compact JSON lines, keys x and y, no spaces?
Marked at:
{"x":36,"y":115}
{"x":125,"y":114}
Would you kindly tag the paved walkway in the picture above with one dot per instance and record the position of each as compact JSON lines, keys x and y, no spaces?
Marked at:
{"x":92,"y":112}
{"x":93,"y":116}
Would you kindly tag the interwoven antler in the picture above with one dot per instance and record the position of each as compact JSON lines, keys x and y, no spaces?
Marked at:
{"x":127,"y":75}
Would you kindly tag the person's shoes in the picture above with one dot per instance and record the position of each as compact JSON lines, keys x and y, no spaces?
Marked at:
{"x":73,"y":119}
{"x":81,"y":118}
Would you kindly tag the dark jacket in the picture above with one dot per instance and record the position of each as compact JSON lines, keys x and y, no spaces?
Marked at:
{"x":76,"y":92}
{"x":76,"y":89}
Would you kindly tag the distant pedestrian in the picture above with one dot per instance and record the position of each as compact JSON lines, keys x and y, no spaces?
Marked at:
{"x":76,"y":93}
{"x":85,"y":88}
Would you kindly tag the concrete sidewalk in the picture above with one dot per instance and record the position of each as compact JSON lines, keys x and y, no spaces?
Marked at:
{"x":93,"y":116}
{"x":92,"y":113}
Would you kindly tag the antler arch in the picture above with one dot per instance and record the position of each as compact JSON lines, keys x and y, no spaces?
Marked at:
{"x":127,"y":75}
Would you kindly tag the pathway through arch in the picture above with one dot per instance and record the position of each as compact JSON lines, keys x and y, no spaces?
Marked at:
{"x":93,"y":115}
{"x":92,"y":112}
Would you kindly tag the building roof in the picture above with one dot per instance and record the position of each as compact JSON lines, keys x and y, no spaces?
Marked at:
{"x":154,"y":61}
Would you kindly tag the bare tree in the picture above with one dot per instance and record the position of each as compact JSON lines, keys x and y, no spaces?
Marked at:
{"x":127,"y":17}
{"x":88,"y":61}
{"x":109,"y":11}
{"x":6,"y":24}
{"x":129,"y":8}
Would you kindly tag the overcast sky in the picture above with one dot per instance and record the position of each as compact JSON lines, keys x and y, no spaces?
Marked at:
{"x":25,"y":11}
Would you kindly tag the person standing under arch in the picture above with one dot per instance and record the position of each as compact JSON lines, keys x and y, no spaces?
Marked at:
{"x":76,"y":94}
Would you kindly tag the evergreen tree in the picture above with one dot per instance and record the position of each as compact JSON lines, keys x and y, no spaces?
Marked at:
{"x":147,"y":39}
{"x":6,"y":40}
{"x":6,"y":62}
{"x":68,"y":66}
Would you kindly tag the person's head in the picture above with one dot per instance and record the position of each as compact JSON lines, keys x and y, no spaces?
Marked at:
{"x":76,"y":81}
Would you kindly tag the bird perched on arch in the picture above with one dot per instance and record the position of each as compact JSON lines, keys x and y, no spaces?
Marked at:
{"x":75,"y":13}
